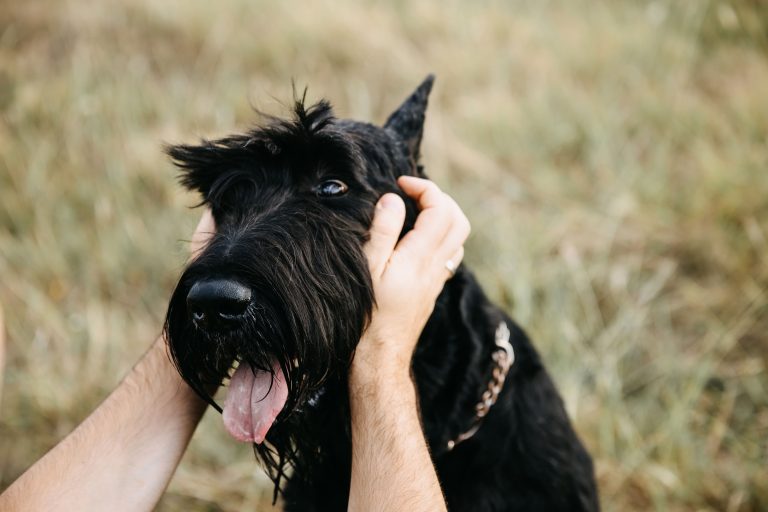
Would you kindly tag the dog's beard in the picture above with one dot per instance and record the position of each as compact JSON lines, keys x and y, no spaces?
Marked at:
{"x":312,"y":297}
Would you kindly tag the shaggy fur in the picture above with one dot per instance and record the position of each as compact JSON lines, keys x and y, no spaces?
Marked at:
{"x":300,"y":252}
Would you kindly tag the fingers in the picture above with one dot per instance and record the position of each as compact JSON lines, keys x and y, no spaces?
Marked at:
{"x":454,"y":261}
{"x":441,"y":228}
{"x":388,"y":219}
{"x":432,"y":223}
{"x":204,"y":231}
{"x":425,"y":192}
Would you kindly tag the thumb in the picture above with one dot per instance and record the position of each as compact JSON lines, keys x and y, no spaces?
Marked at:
{"x":388,"y":219}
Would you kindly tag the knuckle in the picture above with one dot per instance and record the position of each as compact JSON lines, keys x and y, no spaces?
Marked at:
{"x":432,"y":189}
{"x":461,"y":220}
{"x":466,"y":226}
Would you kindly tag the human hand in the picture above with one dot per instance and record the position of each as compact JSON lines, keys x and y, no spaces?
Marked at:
{"x":203,"y":233}
{"x":409,"y":275}
{"x":126,"y":451}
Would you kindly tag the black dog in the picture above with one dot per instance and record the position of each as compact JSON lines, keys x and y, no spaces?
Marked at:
{"x":283,"y":292}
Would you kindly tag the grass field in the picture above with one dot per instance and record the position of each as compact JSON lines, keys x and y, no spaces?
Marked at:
{"x":612,"y":156}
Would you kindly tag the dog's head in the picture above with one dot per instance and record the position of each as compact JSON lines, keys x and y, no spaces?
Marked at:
{"x":282,"y":291}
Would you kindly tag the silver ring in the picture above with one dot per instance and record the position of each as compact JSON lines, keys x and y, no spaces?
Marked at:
{"x":451,"y":266}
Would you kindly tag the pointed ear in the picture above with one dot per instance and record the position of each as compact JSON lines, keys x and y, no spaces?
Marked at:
{"x":199,"y":165}
{"x":407,"y":122}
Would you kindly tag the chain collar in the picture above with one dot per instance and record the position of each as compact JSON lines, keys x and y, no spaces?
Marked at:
{"x":503,"y":358}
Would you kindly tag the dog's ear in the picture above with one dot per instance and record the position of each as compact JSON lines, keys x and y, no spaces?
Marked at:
{"x":407,"y":122}
{"x":200,"y":165}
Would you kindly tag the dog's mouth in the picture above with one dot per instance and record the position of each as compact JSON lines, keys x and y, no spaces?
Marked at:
{"x":254,"y":399}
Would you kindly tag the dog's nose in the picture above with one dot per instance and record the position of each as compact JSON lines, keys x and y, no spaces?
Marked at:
{"x":217,"y":302}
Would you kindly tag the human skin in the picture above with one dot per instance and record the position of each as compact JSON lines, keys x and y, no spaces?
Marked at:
{"x":124,"y":454}
{"x":391,"y":466}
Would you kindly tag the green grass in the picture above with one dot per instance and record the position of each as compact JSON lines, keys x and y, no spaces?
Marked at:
{"x":611,"y":155}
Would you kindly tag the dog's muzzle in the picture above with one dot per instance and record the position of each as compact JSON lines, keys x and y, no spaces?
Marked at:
{"x":218,"y":303}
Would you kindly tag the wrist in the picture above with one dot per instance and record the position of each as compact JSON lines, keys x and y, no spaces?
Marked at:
{"x":374,"y":392}
{"x":381,"y":361}
{"x":155,"y":375}
{"x":373,"y":379}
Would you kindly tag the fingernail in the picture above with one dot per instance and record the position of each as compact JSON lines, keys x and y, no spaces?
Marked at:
{"x":389,"y":201}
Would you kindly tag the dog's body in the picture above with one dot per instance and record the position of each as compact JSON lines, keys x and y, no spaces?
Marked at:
{"x":293,"y":203}
{"x":524,"y":456}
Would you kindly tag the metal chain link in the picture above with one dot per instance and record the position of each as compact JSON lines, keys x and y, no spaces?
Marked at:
{"x":503,"y":358}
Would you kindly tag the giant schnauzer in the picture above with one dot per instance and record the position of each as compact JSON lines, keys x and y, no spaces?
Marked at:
{"x":279,"y":298}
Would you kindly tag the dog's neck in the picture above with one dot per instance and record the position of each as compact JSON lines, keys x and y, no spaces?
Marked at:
{"x":503,"y":359}
{"x":454,"y":361}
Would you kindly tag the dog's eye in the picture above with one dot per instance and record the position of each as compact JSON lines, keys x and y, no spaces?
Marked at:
{"x":331,"y":188}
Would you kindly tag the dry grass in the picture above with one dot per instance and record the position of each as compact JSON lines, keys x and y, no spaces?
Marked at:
{"x":612,"y":156}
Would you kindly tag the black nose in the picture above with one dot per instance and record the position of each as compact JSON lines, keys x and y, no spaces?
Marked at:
{"x":217,"y":302}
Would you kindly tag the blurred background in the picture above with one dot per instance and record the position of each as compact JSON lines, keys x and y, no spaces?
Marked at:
{"x":611,"y":156}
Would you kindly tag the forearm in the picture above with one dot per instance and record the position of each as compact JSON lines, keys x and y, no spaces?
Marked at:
{"x":124,"y":454}
{"x":391,"y":466}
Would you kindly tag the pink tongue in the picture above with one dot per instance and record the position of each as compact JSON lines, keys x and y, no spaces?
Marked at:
{"x":253,"y":402}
